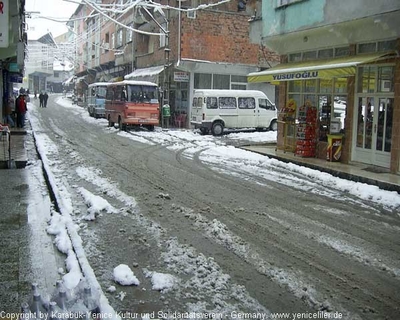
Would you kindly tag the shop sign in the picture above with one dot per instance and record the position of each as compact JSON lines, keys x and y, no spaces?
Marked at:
{"x":4,"y":27}
{"x":13,"y":67}
{"x":296,"y":76}
{"x":15,"y":78}
{"x":181,"y":76}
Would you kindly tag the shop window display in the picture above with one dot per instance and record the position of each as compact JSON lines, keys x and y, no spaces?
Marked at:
{"x":329,"y":96}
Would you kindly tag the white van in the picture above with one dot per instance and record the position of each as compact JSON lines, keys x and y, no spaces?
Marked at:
{"x":214,"y":110}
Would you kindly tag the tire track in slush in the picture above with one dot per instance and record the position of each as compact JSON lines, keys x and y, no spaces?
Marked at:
{"x":377,"y":298}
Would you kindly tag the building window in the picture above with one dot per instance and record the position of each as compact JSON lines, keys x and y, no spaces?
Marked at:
{"x":163,"y":37}
{"x":383,"y":76}
{"x":310,"y":55}
{"x":129,"y":33}
{"x":238,"y":82}
{"x":367,"y":47}
{"x":281,"y":3}
{"x":221,"y":81}
{"x":107,"y":42}
{"x":342,"y":51}
{"x":294,"y":57}
{"x":325,"y":53}
{"x":387,"y":45}
{"x":202,"y":81}
{"x":119,"y":38}
{"x":113,"y":40}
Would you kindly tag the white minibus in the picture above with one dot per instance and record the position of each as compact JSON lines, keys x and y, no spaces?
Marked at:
{"x":214,"y":110}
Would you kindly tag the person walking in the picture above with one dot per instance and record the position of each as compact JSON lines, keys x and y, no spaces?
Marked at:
{"x":45,"y":98}
{"x":41,"y":98}
{"x":21,"y":108}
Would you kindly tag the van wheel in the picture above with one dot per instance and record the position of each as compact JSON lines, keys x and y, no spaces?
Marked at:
{"x":217,"y":128}
{"x":273,"y":126}
{"x":203,"y":131}
{"x":150,"y":128}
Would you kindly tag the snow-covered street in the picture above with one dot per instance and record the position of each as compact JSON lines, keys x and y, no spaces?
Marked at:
{"x":171,"y":221}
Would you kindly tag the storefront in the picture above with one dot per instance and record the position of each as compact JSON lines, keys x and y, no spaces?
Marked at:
{"x":353,"y":98}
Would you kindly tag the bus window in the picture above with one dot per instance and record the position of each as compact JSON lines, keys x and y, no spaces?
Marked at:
{"x":101,"y":92}
{"x":110,"y":93}
{"x":150,"y":94}
{"x":118,"y":93}
{"x":133,"y":93}
{"x":146,"y":94}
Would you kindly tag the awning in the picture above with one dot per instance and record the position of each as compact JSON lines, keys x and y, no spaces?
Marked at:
{"x":324,"y":69}
{"x":145,"y":74}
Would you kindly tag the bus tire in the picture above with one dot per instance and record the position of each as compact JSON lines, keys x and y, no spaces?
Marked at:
{"x":121,"y":126}
{"x":217,"y":128}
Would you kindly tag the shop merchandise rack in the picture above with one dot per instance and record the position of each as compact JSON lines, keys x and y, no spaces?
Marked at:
{"x":306,"y":131}
{"x":287,"y":118}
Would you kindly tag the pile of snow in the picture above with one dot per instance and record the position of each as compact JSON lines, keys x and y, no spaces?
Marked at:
{"x":125,"y":276}
{"x":161,"y":281}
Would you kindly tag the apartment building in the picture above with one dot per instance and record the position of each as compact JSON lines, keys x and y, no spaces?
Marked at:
{"x":13,"y":41}
{"x":181,"y":45}
{"x":342,"y":58}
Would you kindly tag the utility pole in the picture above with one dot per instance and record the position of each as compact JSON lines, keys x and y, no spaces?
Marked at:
{"x":166,"y":84}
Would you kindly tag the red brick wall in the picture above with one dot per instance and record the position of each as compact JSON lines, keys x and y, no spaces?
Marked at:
{"x":221,"y":37}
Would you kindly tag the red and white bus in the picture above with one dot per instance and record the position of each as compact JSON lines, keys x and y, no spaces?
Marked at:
{"x":132,"y":104}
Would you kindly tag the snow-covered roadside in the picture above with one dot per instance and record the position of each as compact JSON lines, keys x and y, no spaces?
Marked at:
{"x":62,"y":226}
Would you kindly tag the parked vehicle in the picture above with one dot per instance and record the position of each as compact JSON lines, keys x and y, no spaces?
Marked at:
{"x":97,"y":99}
{"x":132,"y":104}
{"x":214,"y":110}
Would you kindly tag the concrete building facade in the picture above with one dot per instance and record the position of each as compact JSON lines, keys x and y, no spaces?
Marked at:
{"x":341,"y":58}
{"x":13,"y":40}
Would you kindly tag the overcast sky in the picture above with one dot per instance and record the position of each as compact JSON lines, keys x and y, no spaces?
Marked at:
{"x":56,"y":9}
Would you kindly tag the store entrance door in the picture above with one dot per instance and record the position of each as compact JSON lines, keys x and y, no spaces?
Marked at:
{"x":374,"y":130}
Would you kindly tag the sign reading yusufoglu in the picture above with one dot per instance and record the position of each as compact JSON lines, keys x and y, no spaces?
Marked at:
{"x":296,"y":76}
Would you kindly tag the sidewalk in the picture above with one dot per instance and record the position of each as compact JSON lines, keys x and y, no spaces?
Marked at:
{"x":355,"y":171}
{"x":12,"y":148}
{"x":27,"y":253}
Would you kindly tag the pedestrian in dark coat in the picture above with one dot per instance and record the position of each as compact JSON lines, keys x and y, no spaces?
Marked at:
{"x":45,"y":98}
{"x":41,"y":99}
